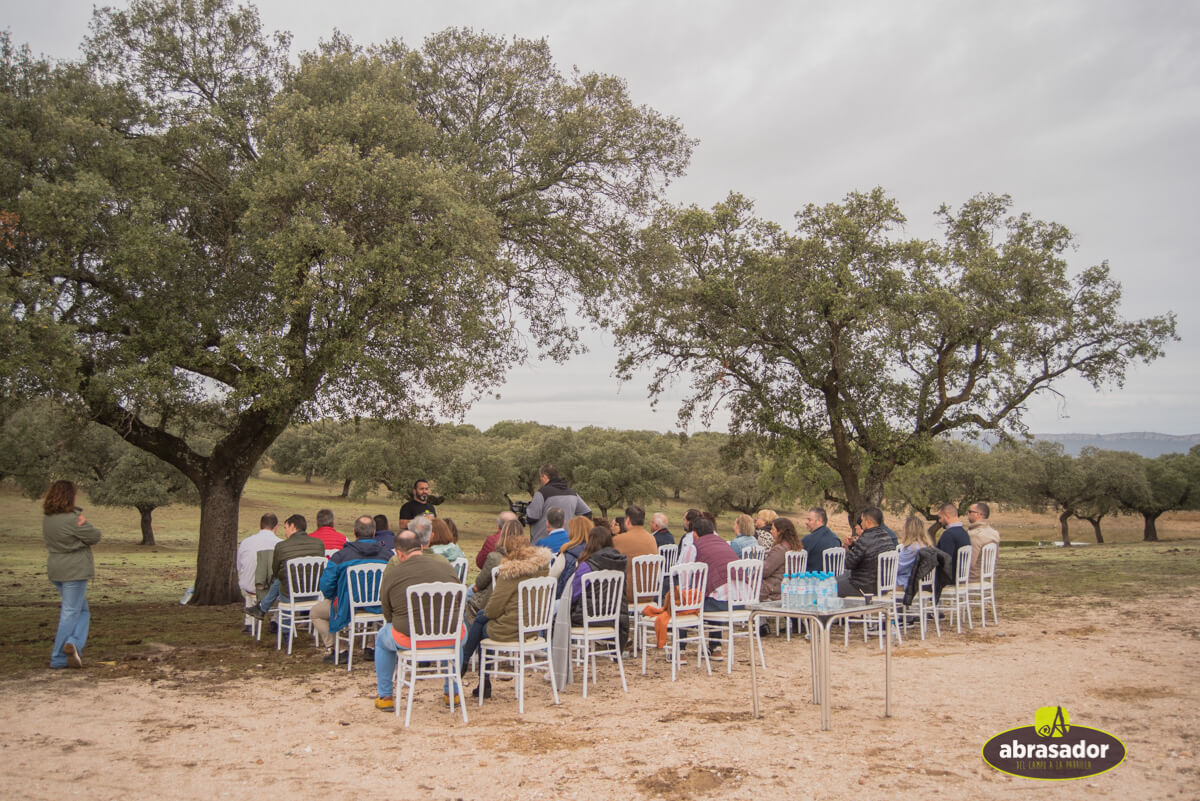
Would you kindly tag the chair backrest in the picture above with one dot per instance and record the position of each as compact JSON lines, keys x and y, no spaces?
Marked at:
{"x":744,"y":582}
{"x":833,"y":560}
{"x":495,"y":570}
{"x":987,"y":561}
{"x":330,"y":552}
{"x":363,"y":583}
{"x":962,"y":567}
{"x":435,"y":612}
{"x":304,"y":576}
{"x":688,"y":581}
{"x":460,"y":567}
{"x":754,"y":552}
{"x":887,"y":566}
{"x":795,"y":562}
{"x":603,"y":596}
{"x":535,"y":605}
{"x":647,"y":573}
{"x":670,"y":555}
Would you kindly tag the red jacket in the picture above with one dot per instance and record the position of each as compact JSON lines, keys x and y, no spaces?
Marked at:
{"x":331,"y":537}
{"x":489,"y":545}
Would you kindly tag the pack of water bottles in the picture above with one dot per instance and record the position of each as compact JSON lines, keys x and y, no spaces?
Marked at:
{"x":810,"y":592}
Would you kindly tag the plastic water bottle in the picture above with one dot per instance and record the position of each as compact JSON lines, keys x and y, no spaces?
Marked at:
{"x":785,"y":591}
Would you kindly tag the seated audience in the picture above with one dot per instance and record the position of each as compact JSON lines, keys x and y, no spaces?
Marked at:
{"x":556,"y":535}
{"x":862,"y":562}
{"x":744,"y":535}
{"x":441,"y":541}
{"x":762,"y":527}
{"x":658,"y":527}
{"x":498,"y":620}
{"x":819,"y":538}
{"x":563,"y":566}
{"x":412,"y":565}
{"x":600,"y":554}
{"x":297,"y":544}
{"x":383,"y":534}
{"x":326,"y":533}
{"x":634,"y":541}
{"x":913,"y":538}
{"x":332,"y":613}
{"x":490,"y":543}
{"x":786,"y":539}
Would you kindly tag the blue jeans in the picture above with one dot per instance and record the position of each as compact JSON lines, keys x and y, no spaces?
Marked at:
{"x":273,"y":593}
{"x":74,"y":619}
{"x":386,"y":656}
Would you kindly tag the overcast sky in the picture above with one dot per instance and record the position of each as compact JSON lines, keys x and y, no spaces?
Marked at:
{"x":1087,"y":113}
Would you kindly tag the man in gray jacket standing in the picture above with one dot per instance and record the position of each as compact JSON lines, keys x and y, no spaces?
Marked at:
{"x":555,"y":488}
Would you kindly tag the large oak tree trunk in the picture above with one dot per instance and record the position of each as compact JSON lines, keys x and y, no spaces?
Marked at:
{"x":147,"y":524}
{"x":1150,"y":532}
{"x":216,"y":577}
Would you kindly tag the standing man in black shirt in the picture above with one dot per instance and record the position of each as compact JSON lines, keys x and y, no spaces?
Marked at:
{"x":419,"y":506}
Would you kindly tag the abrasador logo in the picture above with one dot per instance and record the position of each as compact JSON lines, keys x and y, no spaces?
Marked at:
{"x":1052,"y":748}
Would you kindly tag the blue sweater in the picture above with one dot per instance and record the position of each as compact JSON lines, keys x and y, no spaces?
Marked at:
{"x":333,"y":580}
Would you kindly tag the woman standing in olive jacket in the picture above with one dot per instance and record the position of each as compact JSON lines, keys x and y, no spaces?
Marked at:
{"x":69,"y":540}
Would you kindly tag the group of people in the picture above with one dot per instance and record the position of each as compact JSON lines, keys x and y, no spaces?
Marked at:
{"x":562,"y":540}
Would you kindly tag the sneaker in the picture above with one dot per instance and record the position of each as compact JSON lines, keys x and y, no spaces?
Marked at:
{"x":487,"y":690}
{"x":73,"y":657}
{"x":330,"y":658}
{"x":457,"y":699}
{"x":715,"y":653}
{"x":256,"y":612}
{"x":385,"y":704}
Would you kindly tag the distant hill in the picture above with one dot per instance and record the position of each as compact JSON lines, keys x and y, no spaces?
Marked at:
{"x":1146,"y":443}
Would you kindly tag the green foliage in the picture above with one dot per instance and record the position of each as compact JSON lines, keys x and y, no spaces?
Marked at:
{"x":615,"y":468}
{"x":956,"y":472}
{"x":857,"y":347}
{"x":198,"y":236}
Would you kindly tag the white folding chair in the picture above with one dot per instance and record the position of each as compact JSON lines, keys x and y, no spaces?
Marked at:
{"x":304,"y":590}
{"x":602,"y":599}
{"x":743,"y":585}
{"x":670,"y":555}
{"x":957,"y":598}
{"x":435,"y":615}
{"x":758,"y":552}
{"x":926,"y":607}
{"x":362,"y":581}
{"x":535,"y":617}
{"x":986,"y":586}
{"x":460,"y":568}
{"x":887,"y":564}
{"x":647,"y":573}
{"x":687,"y":583}
{"x":331,"y":551}
{"x":833,"y":560}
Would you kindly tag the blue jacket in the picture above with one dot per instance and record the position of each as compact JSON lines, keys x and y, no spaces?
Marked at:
{"x":333,"y":580}
{"x":816,"y":543}
{"x":554,"y":540}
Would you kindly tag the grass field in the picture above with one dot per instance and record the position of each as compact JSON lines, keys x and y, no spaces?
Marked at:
{"x":137,"y":620}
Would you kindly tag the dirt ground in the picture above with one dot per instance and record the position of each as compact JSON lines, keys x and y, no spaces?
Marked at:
{"x":176,"y":734}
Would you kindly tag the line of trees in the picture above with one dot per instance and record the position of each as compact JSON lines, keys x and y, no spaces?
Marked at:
{"x":613,"y":468}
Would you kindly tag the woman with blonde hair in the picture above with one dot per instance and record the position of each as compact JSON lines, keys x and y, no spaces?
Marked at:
{"x":762,"y":527}
{"x":498,"y":620}
{"x":743,"y":534}
{"x":563,"y":566}
{"x":913,"y":538}
{"x":69,"y":540}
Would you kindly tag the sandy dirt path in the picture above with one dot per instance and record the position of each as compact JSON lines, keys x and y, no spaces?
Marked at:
{"x":1129,"y":670}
